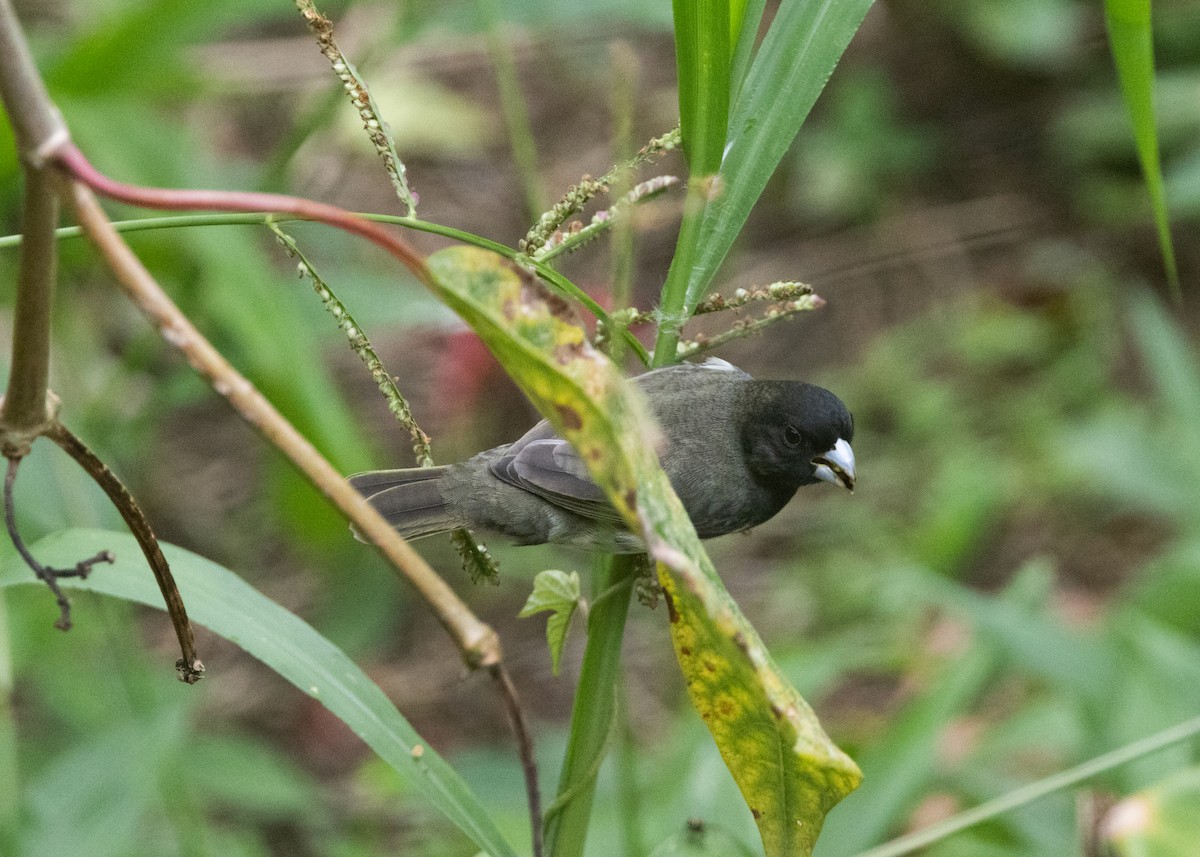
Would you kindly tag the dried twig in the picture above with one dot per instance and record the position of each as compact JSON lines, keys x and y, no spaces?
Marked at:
{"x":189,"y":667}
{"x":516,"y":719}
{"x":47,"y":575}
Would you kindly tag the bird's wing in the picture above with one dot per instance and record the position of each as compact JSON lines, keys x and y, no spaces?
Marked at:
{"x":544,"y":464}
{"x":549,"y":467}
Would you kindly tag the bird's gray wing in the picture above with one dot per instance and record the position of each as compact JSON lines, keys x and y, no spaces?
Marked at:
{"x":544,"y":464}
{"x":548,"y":466}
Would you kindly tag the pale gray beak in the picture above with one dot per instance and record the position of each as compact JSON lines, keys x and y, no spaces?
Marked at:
{"x":836,"y":466}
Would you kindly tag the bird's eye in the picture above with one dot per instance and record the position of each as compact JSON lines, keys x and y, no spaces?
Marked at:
{"x":792,"y":436}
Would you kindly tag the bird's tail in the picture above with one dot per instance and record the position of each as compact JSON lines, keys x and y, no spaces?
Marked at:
{"x":410,"y":500}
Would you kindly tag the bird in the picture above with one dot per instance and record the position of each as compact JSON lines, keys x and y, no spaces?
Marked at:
{"x":735,"y":449}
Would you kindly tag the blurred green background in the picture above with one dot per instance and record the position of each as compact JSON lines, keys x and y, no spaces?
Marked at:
{"x":1014,"y":587}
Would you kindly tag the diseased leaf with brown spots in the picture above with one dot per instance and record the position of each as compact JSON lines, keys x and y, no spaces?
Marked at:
{"x":789,"y":772}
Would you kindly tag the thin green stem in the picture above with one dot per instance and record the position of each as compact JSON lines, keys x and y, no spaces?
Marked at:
{"x":1034,"y":791}
{"x":625,"y":68}
{"x":671,"y":313}
{"x":552,"y":277}
{"x":514,"y":109}
{"x":592,"y":716}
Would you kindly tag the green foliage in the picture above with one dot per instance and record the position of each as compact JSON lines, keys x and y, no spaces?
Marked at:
{"x":559,"y":593}
{"x":1000,"y":455}
{"x":219,"y":600}
{"x":797,"y":56}
{"x":703,"y":55}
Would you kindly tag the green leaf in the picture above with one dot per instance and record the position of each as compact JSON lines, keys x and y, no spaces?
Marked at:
{"x":1159,"y":822}
{"x":801,"y":48}
{"x":558,"y":592}
{"x":1130,"y":37}
{"x":225,"y":604}
{"x":789,"y":772}
{"x":702,"y":58}
{"x":743,"y":30}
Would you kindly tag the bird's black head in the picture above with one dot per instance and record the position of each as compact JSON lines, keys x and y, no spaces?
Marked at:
{"x":796,"y":434}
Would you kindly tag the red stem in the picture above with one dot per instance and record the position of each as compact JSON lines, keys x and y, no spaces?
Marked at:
{"x":167,"y":199}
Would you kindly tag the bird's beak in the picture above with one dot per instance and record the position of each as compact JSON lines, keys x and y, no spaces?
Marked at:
{"x":836,"y":466}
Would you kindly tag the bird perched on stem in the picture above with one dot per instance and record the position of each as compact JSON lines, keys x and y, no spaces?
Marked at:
{"x":735,"y":449}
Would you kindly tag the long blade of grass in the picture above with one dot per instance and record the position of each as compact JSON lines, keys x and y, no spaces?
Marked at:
{"x":702,"y":58}
{"x":744,"y":32}
{"x":1035,"y":791}
{"x":1132,"y":43}
{"x":797,"y":57}
{"x":221,"y":601}
{"x":803,"y":44}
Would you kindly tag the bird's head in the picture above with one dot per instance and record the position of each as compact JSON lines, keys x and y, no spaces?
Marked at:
{"x":796,"y":434}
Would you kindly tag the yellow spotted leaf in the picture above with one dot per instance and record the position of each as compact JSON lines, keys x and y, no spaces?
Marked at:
{"x":788,"y":770}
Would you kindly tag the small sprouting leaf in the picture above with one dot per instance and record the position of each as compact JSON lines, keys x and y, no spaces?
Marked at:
{"x":558,"y":592}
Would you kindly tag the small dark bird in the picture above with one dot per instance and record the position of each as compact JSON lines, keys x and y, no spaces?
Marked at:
{"x":735,"y":449}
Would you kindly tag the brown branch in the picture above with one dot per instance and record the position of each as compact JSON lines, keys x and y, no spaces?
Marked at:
{"x":36,"y":122}
{"x":37,"y":126}
{"x":477,"y":641}
{"x":27,"y":407}
{"x":516,"y":719}
{"x":47,"y":575}
{"x":189,"y":667}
